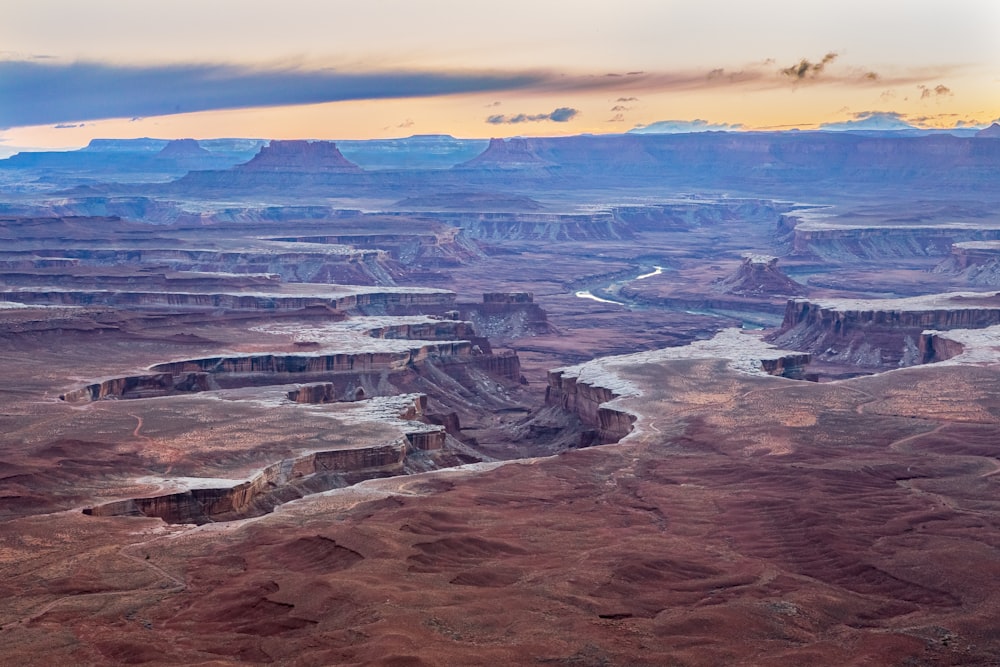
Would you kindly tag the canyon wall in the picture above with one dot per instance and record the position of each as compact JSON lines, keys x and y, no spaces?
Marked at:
{"x":880,"y":333}
{"x":368,"y":302}
{"x":846,"y":243}
{"x":977,"y":262}
{"x":587,"y":401}
{"x":278,"y":483}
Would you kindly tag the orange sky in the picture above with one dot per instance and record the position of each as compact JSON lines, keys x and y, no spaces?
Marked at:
{"x":724,"y":62}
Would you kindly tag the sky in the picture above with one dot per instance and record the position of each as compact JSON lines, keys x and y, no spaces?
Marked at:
{"x":73,"y":70}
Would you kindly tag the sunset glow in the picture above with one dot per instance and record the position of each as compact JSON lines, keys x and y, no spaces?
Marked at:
{"x":335,"y":70}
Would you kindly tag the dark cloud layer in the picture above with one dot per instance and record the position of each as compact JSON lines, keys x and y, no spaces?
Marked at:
{"x":37,"y":93}
{"x":560,"y":115}
{"x":43,"y":92}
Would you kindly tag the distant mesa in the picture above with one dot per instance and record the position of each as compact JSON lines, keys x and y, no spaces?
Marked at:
{"x":297,"y":155}
{"x":759,"y":275}
{"x":991,"y":132}
{"x":515,"y":153}
{"x":183,"y":148}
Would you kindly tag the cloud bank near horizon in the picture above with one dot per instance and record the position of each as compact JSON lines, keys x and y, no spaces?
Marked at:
{"x":685,"y":127}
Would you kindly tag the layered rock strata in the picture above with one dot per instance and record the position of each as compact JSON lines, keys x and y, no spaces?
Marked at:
{"x":881,"y":332}
{"x":354,"y":358}
{"x":506,"y":315}
{"x":345,"y":299}
{"x":977,"y":262}
{"x":212,"y":500}
{"x":840,"y":242}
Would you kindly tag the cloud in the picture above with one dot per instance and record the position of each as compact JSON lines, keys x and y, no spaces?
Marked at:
{"x":406,"y":123}
{"x":66,"y":126}
{"x":936,"y":91}
{"x":621,"y":107}
{"x":684,"y":127}
{"x":52,"y":92}
{"x":617,"y":118}
{"x":560,"y":115}
{"x":808,"y":70}
{"x":627,"y":99}
{"x":871,"y":120}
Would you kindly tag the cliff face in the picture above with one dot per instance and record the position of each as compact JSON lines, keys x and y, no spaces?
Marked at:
{"x":375,"y":302}
{"x":339,"y":265}
{"x":695,"y":215}
{"x":879,"y":242}
{"x":302,"y":156}
{"x":141,"y":386}
{"x":508,"y":226}
{"x":587,"y":401}
{"x":505,"y":315}
{"x":276,"y":484}
{"x":447,"y":247}
{"x":880,"y":333}
{"x":934,"y":347}
{"x":317,"y":363}
{"x":976,"y":262}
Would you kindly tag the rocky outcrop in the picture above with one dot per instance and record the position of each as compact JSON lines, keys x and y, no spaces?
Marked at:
{"x":508,"y":297}
{"x":317,"y":363}
{"x":588,"y":402}
{"x":427,"y":441}
{"x":506,"y":315}
{"x":759,"y":275}
{"x":296,"y":155}
{"x":276,"y":484}
{"x":212,"y":500}
{"x":878,"y":242}
{"x":450,"y":246}
{"x":977,"y":262}
{"x":311,"y":264}
{"x":141,"y":386}
{"x":935,"y":347}
{"x":505,"y":365}
{"x":791,"y":366}
{"x":881,"y":332}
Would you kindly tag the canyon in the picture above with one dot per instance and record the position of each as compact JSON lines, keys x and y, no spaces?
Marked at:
{"x":725,"y":398}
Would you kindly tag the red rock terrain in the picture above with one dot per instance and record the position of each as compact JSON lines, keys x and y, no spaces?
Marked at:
{"x":680,"y":546}
{"x":218,"y":448}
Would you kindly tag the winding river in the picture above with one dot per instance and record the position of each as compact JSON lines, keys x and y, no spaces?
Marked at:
{"x":589,"y":294}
